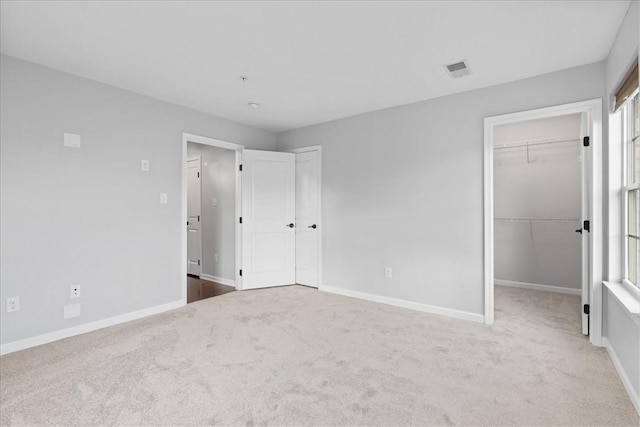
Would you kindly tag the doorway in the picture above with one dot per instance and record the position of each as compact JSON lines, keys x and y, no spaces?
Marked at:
{"x":527,"y":223}
{"x":210,"y":201}
{"x":538,"y":234}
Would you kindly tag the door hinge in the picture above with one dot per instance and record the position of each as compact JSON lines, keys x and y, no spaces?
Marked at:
{"x":198,"y":174}
{"x":240,"y":220}
{"x":240,"y":168}
{"x":585,"y":308}
{"x":586,"y":141}
{"x":241,"y":272}
{"x":198,"y":262}
{"x":586,"y":225}
{"x":198,"y":218}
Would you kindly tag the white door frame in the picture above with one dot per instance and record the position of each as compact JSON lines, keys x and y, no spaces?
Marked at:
{"x":186,"y":138}
{"x":594,"y":108}
{"x":317,"y":148}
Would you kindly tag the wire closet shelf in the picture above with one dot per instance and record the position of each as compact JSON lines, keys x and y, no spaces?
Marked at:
{"x":534,"y":142}
{"x":531,"y":219}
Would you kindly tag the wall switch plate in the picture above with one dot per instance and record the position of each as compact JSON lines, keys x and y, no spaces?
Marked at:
{"x":74,"y":291}
{"x":388,"y":273}
{"x":13,"y":304}
{"x":163,"y":198}
{"x":215,"y":257}
{"x":214,"y":201}
{"x":72,"y":310}
{"x":144,"y":165}
{"x":71,"y":140}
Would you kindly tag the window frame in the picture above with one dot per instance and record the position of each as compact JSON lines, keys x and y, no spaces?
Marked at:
{"x":628,"y":185}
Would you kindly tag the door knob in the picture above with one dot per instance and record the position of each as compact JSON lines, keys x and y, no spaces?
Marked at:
{"x":579,"y":230}
{"x":312,"y":226}
{"x":290,"y":225}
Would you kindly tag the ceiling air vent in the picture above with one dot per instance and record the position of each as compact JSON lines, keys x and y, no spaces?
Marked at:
{"x":458,"y":69}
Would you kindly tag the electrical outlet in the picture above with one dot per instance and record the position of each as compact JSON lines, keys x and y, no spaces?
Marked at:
{"x":74,"y":291}
{"x":388,"y":273}
{"x":144,"y":165}
{"x":13,"y":304}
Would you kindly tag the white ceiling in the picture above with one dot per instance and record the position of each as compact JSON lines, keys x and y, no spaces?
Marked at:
{"x":306,"y":62}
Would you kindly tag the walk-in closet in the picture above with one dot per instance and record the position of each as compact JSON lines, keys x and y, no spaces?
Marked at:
{"x":538,"y":204}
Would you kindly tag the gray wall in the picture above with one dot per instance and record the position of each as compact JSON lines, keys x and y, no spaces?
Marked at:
{"x":402,"y":187}
{"x":88,"y":216}
{"x":623,"y":337}
{"x":218,"y":221}
{"x":546,"y":183}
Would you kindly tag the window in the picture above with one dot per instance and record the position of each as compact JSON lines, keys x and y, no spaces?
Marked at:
{"x":631,"y":196}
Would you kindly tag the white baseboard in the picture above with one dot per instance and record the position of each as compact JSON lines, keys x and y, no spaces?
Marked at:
{"x":537,"y":287}
{"x":465,"y":315}
{"x":633,"y":395}
{"x":217,"y":279}
{"x":87,"y":327}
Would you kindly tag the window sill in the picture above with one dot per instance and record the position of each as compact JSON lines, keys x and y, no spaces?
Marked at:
{"x":628,"y":295}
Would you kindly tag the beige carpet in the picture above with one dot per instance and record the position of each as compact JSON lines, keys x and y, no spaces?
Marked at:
{"x":296,"y":356}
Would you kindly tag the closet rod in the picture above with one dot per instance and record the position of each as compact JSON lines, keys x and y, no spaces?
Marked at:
{"x":536,"y":142}
{"x":514,"y":219}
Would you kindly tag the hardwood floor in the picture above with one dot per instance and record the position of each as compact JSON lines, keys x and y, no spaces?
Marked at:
{"x":198,"y":289}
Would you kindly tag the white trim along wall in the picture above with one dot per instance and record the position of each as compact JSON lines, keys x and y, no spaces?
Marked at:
{"x":594,"y":108}
{"x":458,"y":314}
{"x":537,"y":287}
{"x":218,"y":279}
{"x":86,"y":327}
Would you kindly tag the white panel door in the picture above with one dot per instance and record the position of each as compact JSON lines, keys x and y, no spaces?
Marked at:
{"x":268,"y":219}
{"x":194,"y":229}
{"x":307,"y":217}
{"x":586,"y":159}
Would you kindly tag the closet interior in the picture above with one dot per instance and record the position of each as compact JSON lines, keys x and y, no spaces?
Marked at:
{"x":538,"y":204}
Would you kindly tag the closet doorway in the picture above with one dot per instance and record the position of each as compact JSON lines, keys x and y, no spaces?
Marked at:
{"x":542,"y":193}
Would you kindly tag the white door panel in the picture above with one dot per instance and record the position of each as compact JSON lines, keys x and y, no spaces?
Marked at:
{"x":270,"y":191}
{"x":307,"y":217}
{"x":268,"y":219}
{"x":194,"y":229}
{"x":269,"y":252}
{"x":304,"y":249}
{"x":586,"y":160}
